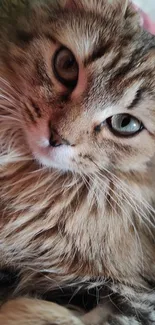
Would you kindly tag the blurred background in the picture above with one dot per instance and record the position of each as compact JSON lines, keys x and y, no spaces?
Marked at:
{"x":148,"y":6}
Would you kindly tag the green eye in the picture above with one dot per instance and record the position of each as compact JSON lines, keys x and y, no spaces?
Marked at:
{"x":124,"y":125}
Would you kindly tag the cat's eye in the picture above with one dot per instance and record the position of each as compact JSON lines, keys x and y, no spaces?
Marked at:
{"x":65,"y":67}
{"x":124,"y":125}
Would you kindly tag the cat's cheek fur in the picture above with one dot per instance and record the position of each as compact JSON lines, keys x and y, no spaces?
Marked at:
{"x":60,"y":158}
{"x":132,"y":155}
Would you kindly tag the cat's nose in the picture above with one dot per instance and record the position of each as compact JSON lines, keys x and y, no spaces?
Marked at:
{"x":56,"y":140}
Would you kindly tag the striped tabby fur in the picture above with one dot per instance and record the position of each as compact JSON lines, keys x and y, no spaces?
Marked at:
{"x":87,"y":225}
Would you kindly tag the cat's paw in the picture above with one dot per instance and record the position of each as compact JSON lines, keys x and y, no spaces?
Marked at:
{"x":26,"y":311}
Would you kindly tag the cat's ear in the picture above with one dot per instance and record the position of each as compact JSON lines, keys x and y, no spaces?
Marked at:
{"x":121,"y":5}
{"x":126,"y":11}
{"x":125,"y":8}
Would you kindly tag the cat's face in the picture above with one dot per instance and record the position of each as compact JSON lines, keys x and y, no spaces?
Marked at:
{"x":86,"y":87}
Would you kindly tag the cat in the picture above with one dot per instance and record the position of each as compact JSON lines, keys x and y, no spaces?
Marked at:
{"x":77,"y":162}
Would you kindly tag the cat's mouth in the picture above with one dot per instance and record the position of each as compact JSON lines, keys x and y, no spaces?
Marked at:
{"x":60,"y":157}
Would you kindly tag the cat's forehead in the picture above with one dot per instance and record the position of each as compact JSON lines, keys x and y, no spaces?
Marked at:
{"x":93,"y":24}
{"x":101,"y":42}
{"x":83,"y":32}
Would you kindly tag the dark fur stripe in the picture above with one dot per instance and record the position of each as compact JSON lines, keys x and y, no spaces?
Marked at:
{"x":137,"y":98}
{"x":42,"y":74}
{"x":24,"y":36}
{"x":36,"y":108}
{"x":50,"y":37}
{"x":31,"y":117}
{"x":98,"y":53}
{"x":114,"y":63}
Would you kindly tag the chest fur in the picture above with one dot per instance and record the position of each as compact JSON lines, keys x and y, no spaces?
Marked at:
{"x":68,"y":232}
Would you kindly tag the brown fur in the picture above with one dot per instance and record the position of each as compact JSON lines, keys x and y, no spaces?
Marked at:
{"x":31,"y":312}
{"x":92,"y":216}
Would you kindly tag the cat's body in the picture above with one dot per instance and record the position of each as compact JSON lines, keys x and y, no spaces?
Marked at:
{"x":89,"y":221}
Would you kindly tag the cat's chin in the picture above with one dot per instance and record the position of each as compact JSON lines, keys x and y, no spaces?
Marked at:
{"x":60,"y":158}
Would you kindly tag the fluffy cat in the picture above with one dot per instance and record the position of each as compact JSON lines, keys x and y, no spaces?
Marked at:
{"x":77,"y":153}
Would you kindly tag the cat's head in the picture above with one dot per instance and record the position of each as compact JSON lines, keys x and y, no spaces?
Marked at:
{"x":86,"y":82}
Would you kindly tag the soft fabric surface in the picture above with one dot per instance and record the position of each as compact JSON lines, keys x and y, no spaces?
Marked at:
{"x":148,"y":6}
{"x":147,"y":11}
{"x":147,"y":22}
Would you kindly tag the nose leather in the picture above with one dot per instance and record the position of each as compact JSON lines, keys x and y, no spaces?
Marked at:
{"x":56,"y":140}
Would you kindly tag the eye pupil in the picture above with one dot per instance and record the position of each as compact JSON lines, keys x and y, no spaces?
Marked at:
{"x":68,"y":64}
{"x":125,"y":122}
